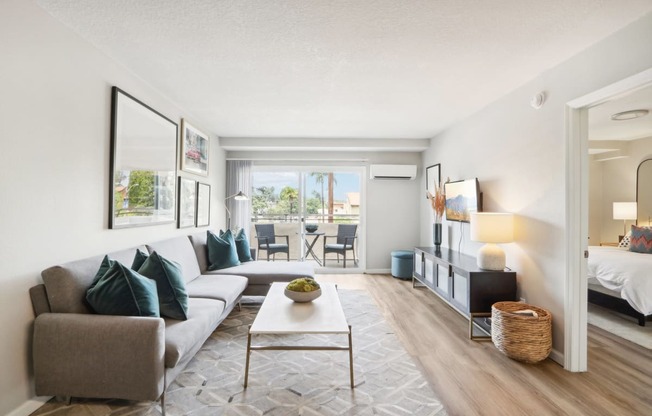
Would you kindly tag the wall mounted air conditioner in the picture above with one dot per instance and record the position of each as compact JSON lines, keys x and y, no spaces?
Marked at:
{"x":393,"y":172}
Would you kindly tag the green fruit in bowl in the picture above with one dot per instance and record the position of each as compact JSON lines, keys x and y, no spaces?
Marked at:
{"x":304,"y":284}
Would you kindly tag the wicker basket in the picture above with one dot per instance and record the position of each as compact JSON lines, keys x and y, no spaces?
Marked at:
{"x":522,"y":338}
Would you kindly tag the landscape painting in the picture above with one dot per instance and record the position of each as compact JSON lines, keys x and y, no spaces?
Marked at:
{"x":461,"y":199}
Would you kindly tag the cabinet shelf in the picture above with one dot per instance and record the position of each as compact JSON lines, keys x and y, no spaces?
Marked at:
{"x":456,"y":279}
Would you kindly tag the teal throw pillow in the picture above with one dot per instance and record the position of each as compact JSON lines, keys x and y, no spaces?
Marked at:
{"x":139,"y":259}
{"x":122,"y":291}
{"x":170,"y":286}
{"x":242,"y":246}
{"x":222,"y":252}
{"x":104,"y":267}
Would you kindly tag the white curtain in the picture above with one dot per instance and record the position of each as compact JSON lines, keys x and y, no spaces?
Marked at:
{"x":238,"y":179}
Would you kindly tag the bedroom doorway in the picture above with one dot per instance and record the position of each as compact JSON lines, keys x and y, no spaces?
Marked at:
{"x":619,"y":144}
{"x":577,"y":218}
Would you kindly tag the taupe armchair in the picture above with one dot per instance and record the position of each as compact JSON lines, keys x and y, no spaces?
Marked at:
{"x":345,"y":241}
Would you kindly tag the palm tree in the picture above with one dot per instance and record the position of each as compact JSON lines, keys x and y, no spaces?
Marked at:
{"x":319,"y":178}
{"x":331,"y":182}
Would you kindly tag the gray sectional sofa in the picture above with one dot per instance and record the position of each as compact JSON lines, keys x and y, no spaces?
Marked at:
{"x":78,"y":353}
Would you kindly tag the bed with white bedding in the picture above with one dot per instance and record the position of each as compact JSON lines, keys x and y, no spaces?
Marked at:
{"x":625,"y":275}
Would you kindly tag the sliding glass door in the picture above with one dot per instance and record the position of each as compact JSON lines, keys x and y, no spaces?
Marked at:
{"x":307,"y":204}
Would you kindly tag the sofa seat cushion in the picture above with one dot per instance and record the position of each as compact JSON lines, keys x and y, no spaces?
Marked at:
{"x":264,"y":272}
{"x":182,"y":336}
{"x":225,"y":288}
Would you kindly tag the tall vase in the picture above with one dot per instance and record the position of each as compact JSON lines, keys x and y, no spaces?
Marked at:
{"x":436,"y":235}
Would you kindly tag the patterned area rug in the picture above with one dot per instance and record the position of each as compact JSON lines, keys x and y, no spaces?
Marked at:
{"x":387,"y":382}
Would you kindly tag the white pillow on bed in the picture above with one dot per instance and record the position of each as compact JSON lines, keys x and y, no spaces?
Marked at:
{"x":625,"y":241}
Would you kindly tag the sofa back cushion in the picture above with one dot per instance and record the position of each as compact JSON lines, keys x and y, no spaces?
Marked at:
{"x":66,"y":284}
{"x":198,"y":242}
{"x":179,"y":250}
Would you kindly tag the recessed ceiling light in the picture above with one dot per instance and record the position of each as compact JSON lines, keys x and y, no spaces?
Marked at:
{"x":629,"y":115}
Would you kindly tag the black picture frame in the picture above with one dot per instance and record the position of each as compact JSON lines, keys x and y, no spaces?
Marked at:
{"x":432,"y":172}
{"x":203,"y":214}
{"x":143,"y":164}
{"x":187,"y":202}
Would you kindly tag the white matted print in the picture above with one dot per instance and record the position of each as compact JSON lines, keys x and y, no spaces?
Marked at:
{"x":194,"y":150}
{"x":203,"y":217}
{"x":187,"y":201}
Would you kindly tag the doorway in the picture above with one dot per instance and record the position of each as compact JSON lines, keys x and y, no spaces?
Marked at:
{"x":577,"y":213}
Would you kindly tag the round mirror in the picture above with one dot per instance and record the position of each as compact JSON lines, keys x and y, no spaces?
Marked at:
{"x":644,"y":193}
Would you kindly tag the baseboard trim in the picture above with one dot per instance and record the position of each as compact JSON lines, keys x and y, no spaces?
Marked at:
{"x":29,"y":406}
{"x":557,"y":357}
{"x":377,"y":271}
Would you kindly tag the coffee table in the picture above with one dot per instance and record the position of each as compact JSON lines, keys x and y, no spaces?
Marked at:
{"x":279,"y":315}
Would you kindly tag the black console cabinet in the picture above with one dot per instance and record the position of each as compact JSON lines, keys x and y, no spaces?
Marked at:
{"x":456,"y":278}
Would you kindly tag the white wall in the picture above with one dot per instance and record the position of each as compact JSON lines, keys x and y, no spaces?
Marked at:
{"x":518,"y":155}
{"x":55,"y":94}
{"x":392,"y":220}
{"x":615,"y":182}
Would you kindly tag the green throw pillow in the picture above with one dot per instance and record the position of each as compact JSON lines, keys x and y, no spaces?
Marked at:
{"x":122,"y":291}
{"x":104,"y":267}
{"x":139,"y":259}
{"x":170,"y":286}
{"x":222,"y":252}
{"x":242,"y":246}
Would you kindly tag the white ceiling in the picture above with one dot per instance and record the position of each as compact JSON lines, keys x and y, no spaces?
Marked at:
{"x":340,"y":69}
{"x":602,"y":127}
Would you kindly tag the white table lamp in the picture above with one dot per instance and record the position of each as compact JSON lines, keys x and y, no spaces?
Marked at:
{"x":492,"y":228}
{"x":625,"y":211}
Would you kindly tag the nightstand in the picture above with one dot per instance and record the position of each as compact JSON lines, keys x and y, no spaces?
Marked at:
{"x":609,"y":244}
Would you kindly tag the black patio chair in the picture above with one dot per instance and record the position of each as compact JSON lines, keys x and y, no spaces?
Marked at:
{"x":267,"y":241}
{"x":346,"y":235}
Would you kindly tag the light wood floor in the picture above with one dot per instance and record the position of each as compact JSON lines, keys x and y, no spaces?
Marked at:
{"x":474,"y":378}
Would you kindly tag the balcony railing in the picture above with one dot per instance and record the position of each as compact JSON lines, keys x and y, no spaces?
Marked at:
{"x":290,"y":225}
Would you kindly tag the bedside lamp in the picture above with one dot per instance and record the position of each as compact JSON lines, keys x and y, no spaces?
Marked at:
{"x":492,"y":228}
{"x":625,"y":211}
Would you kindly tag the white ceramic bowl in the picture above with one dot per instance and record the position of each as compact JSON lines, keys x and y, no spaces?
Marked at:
{"x":303,"y":296}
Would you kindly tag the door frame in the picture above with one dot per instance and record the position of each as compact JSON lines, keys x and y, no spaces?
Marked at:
{"x":318,"y":166}
{"x":577,"y":214}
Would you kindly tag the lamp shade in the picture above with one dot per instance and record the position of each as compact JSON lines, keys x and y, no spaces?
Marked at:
{"x":240,"y":196}
{"x":625,"y":210}
{"x":492,"y":227}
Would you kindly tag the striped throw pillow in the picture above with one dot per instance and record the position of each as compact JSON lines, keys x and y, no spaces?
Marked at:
{"x":641,"y":240}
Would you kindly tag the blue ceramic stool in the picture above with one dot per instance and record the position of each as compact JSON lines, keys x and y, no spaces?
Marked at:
{"x":402,"y":261}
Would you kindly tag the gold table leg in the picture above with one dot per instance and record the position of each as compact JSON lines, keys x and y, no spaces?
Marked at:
{"x":351,"y":358}
{"x":246,"y":378}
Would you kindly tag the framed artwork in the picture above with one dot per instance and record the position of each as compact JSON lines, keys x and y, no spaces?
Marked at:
{"x":194,"y":150}
{"x":187,"y":201}
{"x":203,"y":204}
{"x":433,"y":177}
{"x":143,"y":166}
{"x":462,"y":198}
